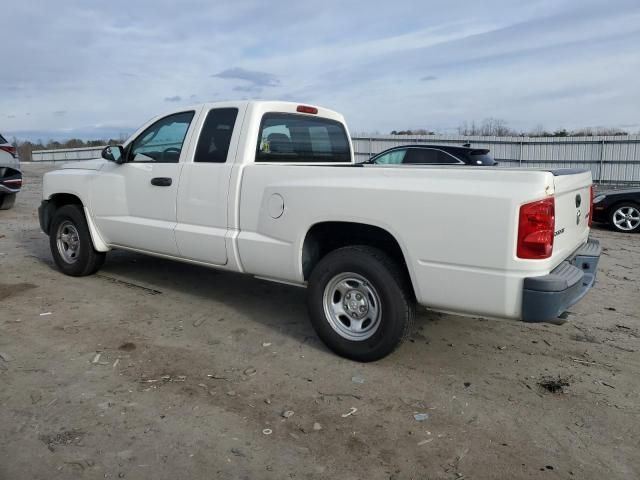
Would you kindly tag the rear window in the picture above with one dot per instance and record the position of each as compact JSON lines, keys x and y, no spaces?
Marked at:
{"x":425,"y":156}
{"x":301,"y":138}
{"x":2,"y":139}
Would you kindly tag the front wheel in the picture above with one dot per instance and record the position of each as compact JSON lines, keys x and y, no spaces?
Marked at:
{"x":71,"y":244}
{"x":626,"y":218}
{"x":360,"y":303}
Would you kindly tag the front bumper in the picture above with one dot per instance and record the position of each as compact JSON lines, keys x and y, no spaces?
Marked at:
{"x":547,"y":297}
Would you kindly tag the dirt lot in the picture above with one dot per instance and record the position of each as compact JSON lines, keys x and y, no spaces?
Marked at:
{"x":155,"y":369}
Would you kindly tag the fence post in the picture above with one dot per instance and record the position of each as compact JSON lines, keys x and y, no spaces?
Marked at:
{"x":520,"y":155}
{"x":370,"y":146}
{"x":601,"y":160}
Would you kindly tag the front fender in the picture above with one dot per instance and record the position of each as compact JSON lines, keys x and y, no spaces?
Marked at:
{"x":70,"y":182}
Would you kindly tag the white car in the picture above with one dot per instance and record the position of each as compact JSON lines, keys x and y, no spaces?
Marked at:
{"x":10,"y":175}
{"x":271,"y":189}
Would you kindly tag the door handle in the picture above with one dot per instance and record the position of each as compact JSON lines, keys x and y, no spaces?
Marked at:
{"x":161,"y":181}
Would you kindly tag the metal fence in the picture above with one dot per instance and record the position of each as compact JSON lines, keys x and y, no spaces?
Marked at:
{"x":66,"y":155}
{"x":611,"y":159}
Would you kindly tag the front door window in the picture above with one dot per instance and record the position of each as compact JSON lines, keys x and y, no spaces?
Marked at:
{"x":162,"y":141}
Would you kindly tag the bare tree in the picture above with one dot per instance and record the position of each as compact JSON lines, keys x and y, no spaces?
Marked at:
{"x":419,"y":131}
{"x":492,"y":127}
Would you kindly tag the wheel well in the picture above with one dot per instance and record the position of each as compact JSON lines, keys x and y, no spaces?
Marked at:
{"x":60,"y":199}
{"x":55,"y":202}
{"x":325,"y":237}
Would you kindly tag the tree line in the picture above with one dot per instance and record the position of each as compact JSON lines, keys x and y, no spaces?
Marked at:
{"x":496,"y":127}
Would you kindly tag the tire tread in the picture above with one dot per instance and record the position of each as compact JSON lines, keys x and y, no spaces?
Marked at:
{"x":7,"y":200}
{"x":403,"y":282}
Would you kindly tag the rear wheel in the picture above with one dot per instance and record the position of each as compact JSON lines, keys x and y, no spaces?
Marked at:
{"x":71,"y":244}
{"x":7,"y":201}
{"x":360,"y":303}
{"x":625,"y":217}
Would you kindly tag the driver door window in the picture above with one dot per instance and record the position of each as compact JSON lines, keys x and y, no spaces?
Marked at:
{"x":162,"y":141}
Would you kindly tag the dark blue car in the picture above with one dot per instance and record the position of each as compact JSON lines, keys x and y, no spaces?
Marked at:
{"x":433,"y":155}
{"x":618,"y":208}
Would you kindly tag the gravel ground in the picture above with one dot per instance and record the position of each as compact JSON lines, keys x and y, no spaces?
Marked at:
{"x":156,"y":369}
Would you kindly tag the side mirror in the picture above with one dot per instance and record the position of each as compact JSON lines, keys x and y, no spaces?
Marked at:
{"x":113,"y":153}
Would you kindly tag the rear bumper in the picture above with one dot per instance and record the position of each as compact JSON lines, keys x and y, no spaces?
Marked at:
{"x":600,"y":214}
{"x":6,"y":189}
{"x":10,"y":180}
{"x":547,"y":297}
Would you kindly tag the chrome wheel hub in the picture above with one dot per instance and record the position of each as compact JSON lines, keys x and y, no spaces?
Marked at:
{"x":68,"y":241}
{"x":352,"y":306}
{"x":356,"y":304}
{"x":626,"y":218}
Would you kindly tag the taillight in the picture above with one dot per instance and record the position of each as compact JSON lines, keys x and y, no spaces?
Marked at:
{"x":13,"y":182}
{"x":306,"y":109}
{"x":535,"y":229}
{"x":591,"y":195}
{"x":9,"y":149}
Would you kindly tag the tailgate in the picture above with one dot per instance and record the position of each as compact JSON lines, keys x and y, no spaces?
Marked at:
{"x":573,"y":201}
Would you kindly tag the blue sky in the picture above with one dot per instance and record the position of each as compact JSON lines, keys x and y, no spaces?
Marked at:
{"x":96,"y":69}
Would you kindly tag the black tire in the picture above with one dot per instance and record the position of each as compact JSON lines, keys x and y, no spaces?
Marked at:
{"x":396,"y":301}
{"x":618,"y":224}
{"x":87,"y":261}
{"x":7,"y":201}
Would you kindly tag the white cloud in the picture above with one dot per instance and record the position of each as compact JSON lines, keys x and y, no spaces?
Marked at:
{"x":407,"y":64}
{"x":256,"y":79}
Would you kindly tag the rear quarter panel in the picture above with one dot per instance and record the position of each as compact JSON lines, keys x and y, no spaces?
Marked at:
{"x":457,"y":226}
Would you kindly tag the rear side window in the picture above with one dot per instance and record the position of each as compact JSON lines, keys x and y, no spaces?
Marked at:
{"x":394,"y":157}
{"x":2,"y":139}
{"x":301,"y":138}
{"x":428,"y":156}
{"x":213,"y":145}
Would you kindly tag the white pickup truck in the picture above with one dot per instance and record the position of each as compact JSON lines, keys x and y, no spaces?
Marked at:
{"x":271,"y":189}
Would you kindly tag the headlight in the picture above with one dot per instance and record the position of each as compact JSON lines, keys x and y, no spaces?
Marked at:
{"x":599,"y":198}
